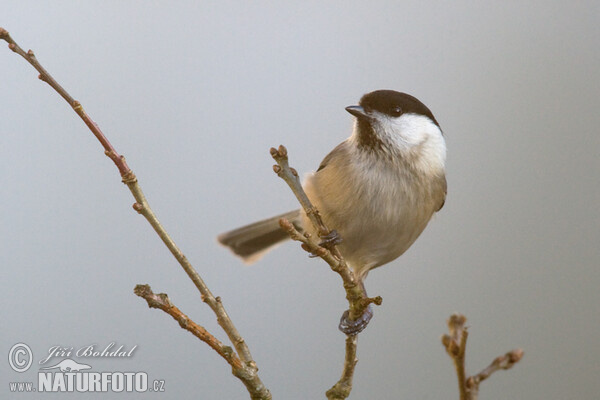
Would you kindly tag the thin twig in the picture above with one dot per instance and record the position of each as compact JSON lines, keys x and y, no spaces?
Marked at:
{"x":505,"y":361}
{"x":354,"y":293}
{"x":162,"y":302}
{"x":456,"y":344}
{"x":290,"y":176}
{"x":259,"y":391}
{"x":29,"y":56}
{"x":358,"y":300}
{"x":142,"y":207}
{"x":341,"y":390}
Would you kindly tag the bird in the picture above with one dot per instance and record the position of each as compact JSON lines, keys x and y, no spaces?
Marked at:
{"x":378,"y":189}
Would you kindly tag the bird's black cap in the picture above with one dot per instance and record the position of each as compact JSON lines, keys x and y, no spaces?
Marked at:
{"x":394,"y":104}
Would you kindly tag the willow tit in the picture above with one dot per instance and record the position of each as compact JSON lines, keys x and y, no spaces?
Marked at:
{"x":378,"y":189}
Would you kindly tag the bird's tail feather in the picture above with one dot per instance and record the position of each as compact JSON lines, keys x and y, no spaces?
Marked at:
{"x":252,"y":241}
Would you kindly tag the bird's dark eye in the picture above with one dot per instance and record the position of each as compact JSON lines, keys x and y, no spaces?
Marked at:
{"x":396,"y":111}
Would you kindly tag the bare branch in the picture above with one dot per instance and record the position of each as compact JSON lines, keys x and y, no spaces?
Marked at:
{"x":162,"y":302}
{"x":456,"y":345}
{"x":141,"y":206}
{"x":29,"y":56}
{"x":342,"y":388}
{"x":506,"y":361}
{"x":356,"y":295}
{"x":290,"y":176}
{"x":358,"y":300}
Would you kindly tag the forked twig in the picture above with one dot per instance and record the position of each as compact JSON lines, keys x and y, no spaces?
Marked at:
{"x":456,"y":344}
{"x":248,"y":373}
{"x":162,"y":302}
{"x":358,"y":300}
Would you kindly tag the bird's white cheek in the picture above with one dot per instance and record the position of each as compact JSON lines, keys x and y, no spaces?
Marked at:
{"x":417,"y":133}
{"x":411,"y":129}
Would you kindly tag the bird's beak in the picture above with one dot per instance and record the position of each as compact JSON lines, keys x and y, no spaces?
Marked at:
{"x":357,"y":111}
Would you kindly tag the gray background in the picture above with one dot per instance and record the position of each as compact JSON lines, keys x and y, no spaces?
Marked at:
{"x":194,"y":94}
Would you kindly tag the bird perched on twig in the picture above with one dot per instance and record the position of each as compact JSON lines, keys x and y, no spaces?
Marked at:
{"x":378,"y":189}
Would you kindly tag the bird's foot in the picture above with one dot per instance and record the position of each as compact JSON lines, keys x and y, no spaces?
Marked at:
{"x":353,"y":327}
{"x":327,"y":242}
{"x":331,"y":239}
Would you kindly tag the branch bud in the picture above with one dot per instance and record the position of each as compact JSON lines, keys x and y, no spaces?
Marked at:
{"x":376,"y":300}
{"x":515,"y":355}
{"x":446,"y":340}
{"x":282,"y":151}
{"x":285,"y":224}
{"x":471,"y":382}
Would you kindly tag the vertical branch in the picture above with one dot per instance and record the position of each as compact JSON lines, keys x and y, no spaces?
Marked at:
{"x":290,"y":176}
{"x":341,"y":390}
{"x":456,"y":345}
{"x":358,"y":300}
{"x":355,"y":294}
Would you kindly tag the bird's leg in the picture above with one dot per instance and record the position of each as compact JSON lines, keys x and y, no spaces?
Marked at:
{"x":354,"y":326}
{"x":347,"y":325}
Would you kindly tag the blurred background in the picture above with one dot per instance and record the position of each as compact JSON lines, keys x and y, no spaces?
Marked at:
{"x":195,"y":93}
